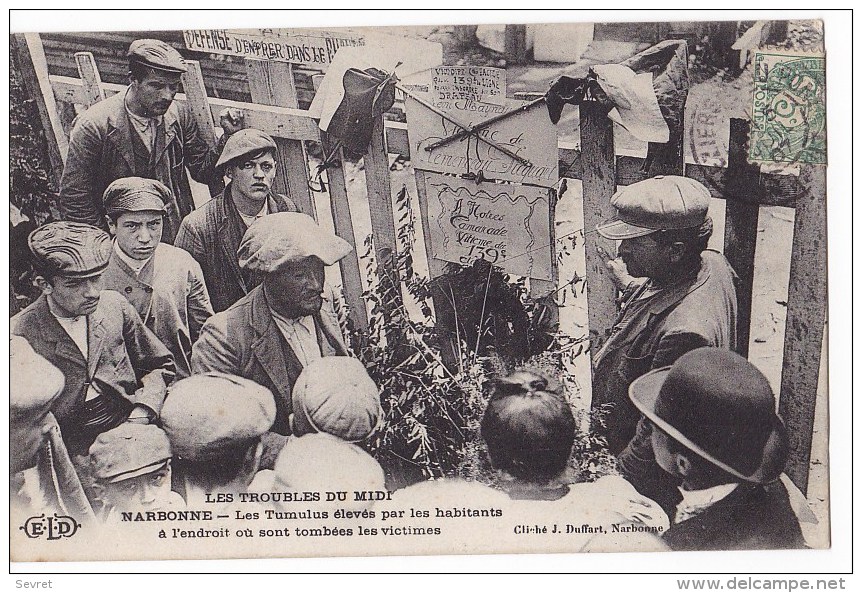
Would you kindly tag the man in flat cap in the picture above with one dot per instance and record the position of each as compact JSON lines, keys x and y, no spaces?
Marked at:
{"x":131,"y":469}
{"x":715,"y":429}
{"x":288,"y":321}
{"x":215,"y":423}
{"x":42,"y":478}
{"x":164,"y":283}
{"x":679,"y":296}
{"x":213,"y":232}
{"x":116,"y":369}
{"x":141,"y":132}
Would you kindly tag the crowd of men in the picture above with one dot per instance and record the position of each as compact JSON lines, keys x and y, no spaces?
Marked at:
{"x":179,"y":351}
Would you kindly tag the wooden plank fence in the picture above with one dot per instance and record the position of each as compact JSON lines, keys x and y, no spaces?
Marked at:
{"x":743,"y":186}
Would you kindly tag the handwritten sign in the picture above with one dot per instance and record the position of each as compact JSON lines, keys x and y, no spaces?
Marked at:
{"x":454,"y":87}
{"x":529,"y":134}
{"x":310,"y":48}
{"x":507,"y":225}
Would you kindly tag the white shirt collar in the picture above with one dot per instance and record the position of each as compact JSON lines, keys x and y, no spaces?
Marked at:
{"x":250,"y":219}
{"x":694,"y":502}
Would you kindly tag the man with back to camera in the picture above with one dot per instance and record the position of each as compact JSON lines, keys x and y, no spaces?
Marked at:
{"x":116,"y":369}
{"x":681,"y":297}
{"x":213,"y":232}
{"x":164,"y":283}
{"x":141,"y":132}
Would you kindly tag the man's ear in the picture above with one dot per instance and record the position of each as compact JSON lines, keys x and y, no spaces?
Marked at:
{"x":228,"y":172}
{"x":98,"y":491}
{"x":42,"y":284}
{"x":251,"y":462}
{"x":676,"y":251}
{"x":683,"y":464}
{"x":112,"y":226}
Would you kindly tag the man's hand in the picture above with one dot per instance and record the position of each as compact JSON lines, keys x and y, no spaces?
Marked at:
{"x":619,"y":273}
{"x":231,"y":120}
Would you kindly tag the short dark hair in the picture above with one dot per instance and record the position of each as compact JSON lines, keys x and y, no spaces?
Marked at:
{"x":221,"y":470}
{"x":138,"y":70}
{"x":706,"y":469}
{"x":528,"y":427}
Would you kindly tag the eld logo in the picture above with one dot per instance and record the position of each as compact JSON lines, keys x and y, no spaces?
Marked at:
{"x":53,"y":527}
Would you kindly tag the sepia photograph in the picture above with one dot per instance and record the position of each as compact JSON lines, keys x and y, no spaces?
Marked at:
{"x":419,"y":289}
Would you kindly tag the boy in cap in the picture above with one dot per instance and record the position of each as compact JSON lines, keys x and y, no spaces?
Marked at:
{"x":715,"y":428}
{"x":215,"y":423}
{"x":131,"y":468}
{"x":287,"y":322}
{"x":42,"y":478}
{"x":683,"y":298}
{"x":213,"y":232}
{"x":141,"y":132}
{"x":116,"y":370}
{"x":164,"y":283}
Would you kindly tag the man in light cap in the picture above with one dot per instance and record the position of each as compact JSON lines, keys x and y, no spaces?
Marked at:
{"x":681,"y":296}
{"x":42,"y":478}
{"x":288,"y":321}
{"x":164,"y":283}
{"x":215,"y":423}
{"x":141,"y":132}
{"x":213,"y":232}
{"x":116,"y":370}
{"x":131,"y":468}
{"x":335,"y":395}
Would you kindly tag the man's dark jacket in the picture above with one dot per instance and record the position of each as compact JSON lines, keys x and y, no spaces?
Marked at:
{"x":104,"y":147}
{"x":752,"y":517}
{"x":212,"y":234}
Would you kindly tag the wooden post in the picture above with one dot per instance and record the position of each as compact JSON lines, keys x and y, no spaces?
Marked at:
{"x":806,"y":316}
{"x":271,"y":83}
{"x":516,"y":44}
{"x":350,"y":271}
{"x":196,"y":95}
{"x":34,"y":72}
{"x":90,"y":77}
{"x":599,"y":182}
{"x":380,"y":203}
{"x":740,"y":227}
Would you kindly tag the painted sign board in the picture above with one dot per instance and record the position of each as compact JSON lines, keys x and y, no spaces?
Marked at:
{"x":454,"y":84}
{"x":505,"y":224}
{"x":529,"y":134}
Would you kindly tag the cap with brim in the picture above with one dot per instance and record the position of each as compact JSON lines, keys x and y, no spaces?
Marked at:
{"x":35,"y":382}
{"x":71,"y":249}
{"x":128,"y":451}
{"x":713,"y":428}
{"x":136,"y":194}
{"x":157,"y":54}
{"x":661,"y":203}
{"x":282,"y":238}
{"x":243,"y":142}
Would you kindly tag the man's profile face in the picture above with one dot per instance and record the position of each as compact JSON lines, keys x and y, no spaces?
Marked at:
{"x":297,"y":288}
{"x":155,"y":91}
{"x":138,"y":233}
{"x":252,"y":178}
{"x":645,"y":257}
{"x":75,"y":296}
{"x":146,"y":492}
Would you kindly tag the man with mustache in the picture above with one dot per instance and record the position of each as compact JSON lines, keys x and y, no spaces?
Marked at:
{"x":678,"y":296}
{"x":164,"y":283}
{"x":116,"y":369}
{"x":141,"y":132}
{"x":213,"y":232}
{"x":286,"y":322}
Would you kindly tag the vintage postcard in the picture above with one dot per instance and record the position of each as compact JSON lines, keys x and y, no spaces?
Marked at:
{"x":418,"y":290}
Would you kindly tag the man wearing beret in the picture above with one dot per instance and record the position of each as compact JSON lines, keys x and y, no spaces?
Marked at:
{"x":715,"y":429}
{"x":213,"y":232}
{"x":288,"y":321}
{"x":116,"y":369}
{"x":42,"y":478}
{"x":140,"y":132}
{"x":164,"y":283}
{"x":677,"y":296}
{"x":215,"y":423}
{"x":131,"y":469}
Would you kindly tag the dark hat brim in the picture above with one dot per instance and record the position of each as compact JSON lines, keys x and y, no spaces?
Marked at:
{"x":128,"y":475}
{"x":644,"y":392}
{"x":617,"y":230}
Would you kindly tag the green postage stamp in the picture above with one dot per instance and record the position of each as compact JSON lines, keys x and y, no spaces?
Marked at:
{"x":788,"y":122}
